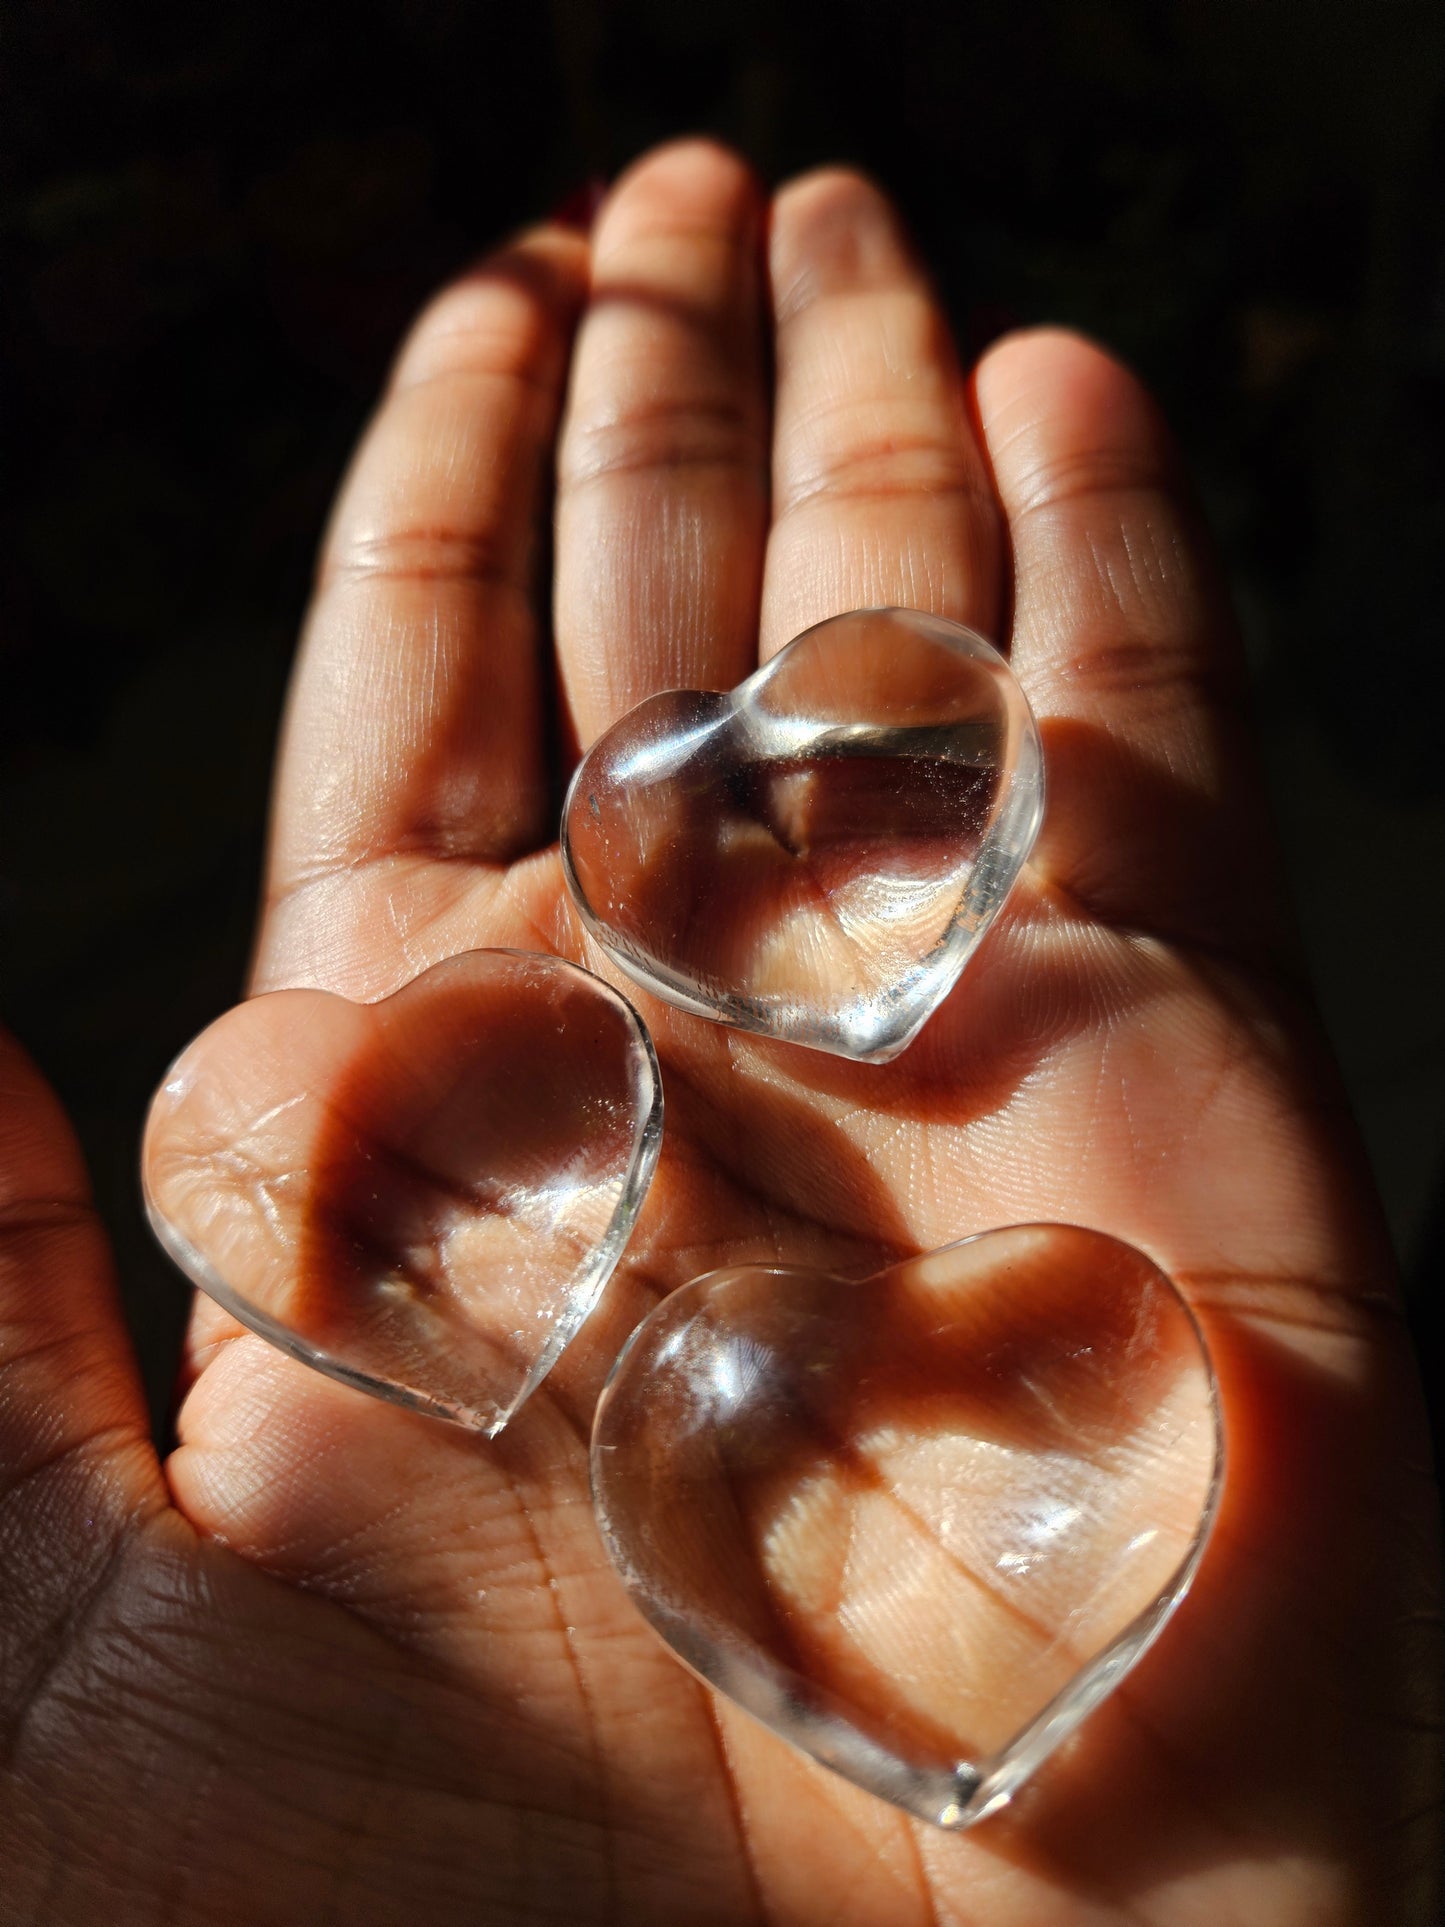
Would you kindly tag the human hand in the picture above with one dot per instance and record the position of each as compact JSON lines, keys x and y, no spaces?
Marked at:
{"x":333,"y":1660}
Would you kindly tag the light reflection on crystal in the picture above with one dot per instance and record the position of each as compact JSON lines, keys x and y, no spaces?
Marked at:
{"x":422,"y":1197}
{"x":816,"y":855}
{"x":918,"y":1525}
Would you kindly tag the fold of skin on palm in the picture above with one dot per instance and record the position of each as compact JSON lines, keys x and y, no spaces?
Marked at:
{"x":335,"y":1661}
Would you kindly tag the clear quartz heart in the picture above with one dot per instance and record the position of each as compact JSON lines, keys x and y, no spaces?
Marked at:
{"x":816,"y":855}
{"x":922,"y":1524}
{"x":422,"y":1197}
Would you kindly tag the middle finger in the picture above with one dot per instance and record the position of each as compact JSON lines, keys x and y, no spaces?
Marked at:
{"x":880,"y":492}
{"x":662,"y":491}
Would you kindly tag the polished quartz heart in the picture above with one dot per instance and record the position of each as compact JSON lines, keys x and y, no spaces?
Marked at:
{"x":921,"y":1525}
{"x":422,"y":1197}
{"x":816,"y":855}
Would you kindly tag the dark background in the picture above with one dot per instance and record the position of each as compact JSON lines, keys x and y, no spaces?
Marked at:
{"x":215,"y":221}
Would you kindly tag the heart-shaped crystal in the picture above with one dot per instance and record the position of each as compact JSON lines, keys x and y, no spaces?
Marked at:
{"x":920,"y":1525}
{"x":815,"y":855}
{"x":423,"y":1197}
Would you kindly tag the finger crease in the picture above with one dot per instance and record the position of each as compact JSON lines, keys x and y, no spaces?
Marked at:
{"x":1082,"y":481}
{"x":673,"y":433}
{"x":855,"y":478}
{"x":494,"y":560}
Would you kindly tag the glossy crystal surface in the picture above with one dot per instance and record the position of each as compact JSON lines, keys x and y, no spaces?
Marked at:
{"x":922,"y":1524}
{"x":423,"y":1197}
{"x":815,"y":855}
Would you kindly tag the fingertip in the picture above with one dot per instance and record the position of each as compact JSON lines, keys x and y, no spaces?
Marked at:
{"x":693,"y":178}
{"x":834,"y":226}
{"x":1075,"y":408}
{"x":1049,"y":345}
{"x":517,"y":303}
{"x":837,"y":190}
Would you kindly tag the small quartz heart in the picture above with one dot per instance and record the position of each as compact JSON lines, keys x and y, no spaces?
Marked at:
{"x":816,"y":855}
{"x":422,"y":1197}
{"x":922,"y":1524}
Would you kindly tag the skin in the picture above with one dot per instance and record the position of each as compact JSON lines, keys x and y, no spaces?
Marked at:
{"x":332,"y":1661}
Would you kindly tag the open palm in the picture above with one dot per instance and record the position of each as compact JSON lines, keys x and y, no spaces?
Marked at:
{"x":334,"y":1661}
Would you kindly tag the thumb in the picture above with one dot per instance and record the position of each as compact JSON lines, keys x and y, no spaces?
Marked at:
{"x":77,"y":1468}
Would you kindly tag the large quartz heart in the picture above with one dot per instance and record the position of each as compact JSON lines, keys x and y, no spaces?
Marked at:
{"x":816,"y":855}
{"x":921,"y":1525}
{"x":422,"y":1197}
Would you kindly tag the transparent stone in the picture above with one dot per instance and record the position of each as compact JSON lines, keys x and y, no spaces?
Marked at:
{"x":422,"y":1197}
{"x":918,"y":1525}
{"x":816,"y":855}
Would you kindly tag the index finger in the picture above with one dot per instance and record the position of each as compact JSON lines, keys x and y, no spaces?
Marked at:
{"x":414,"y":733}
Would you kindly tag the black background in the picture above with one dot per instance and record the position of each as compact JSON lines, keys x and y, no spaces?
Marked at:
{"x":215,"y":221}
